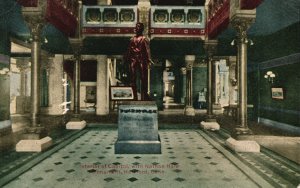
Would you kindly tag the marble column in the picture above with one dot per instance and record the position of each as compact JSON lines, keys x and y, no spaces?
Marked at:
{"x":183,"y":77}
{"x":241,"y":25}
{"x":189,"y":109}
{"x":210,"y":121}
{"x":102,"y":86}
{"x":35,"y":73}
{"x":36,"y":139}
{"x":56,"y":88}
{"x":216,"y":83}
{"x":240,"y":141}
{"x":76,"y":122}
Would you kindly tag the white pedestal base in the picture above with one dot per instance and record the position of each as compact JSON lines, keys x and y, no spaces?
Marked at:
{"x":210,"y":125}
{"x":34,"y":145}
{"x":242,"y":145}
{"x":76,"y":125}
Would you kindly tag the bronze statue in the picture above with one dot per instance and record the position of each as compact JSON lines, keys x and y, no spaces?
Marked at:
{"x":138,"y":57}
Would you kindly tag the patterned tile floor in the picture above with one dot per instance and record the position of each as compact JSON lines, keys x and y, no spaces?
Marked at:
{"x":187,"y":160}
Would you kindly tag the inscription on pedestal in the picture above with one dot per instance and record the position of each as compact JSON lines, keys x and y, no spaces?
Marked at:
{"x":137,"y":123}
{"x":138,"y":129}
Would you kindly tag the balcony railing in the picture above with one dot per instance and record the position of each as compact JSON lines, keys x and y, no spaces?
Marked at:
{"x":164,"y":20}
{"x":109,"y":20}
{"x":177,"y":20}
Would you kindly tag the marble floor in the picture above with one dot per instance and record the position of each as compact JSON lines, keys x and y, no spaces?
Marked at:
{"x":190,"y":158}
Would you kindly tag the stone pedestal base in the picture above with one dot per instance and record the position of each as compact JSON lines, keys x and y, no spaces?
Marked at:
{"x":210,"y":125}
{"x":138,"y":147}
{"x":242,"y":145}
{"x":189,"y":111}
{"x":138,"y":129}
{"x":77,"y":125}
{"x":34,"y":145}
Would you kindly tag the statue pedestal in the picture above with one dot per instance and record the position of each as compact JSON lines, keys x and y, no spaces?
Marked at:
{"x":138,"y":129}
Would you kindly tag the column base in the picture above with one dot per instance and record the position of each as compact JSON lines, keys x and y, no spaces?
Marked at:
{"x":210,"y":125}
{"x":34,"y":133}
{"x":243,"y":145}
{"x":210,"y":118}
{"x":34,"y":145}
{"x":76,"y":125}
{"x":240,"y":131}
{"x":189,"y":111}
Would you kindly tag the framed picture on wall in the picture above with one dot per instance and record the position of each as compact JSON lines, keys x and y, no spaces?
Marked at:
{"x":121,"y":93}
{"x":277,"y":93}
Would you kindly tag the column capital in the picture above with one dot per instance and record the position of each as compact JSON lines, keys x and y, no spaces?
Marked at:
{"x":189,"y":61}
{"x":76,"y":44}
{"x":183,"y":70}
{"x":35,"y":22}
{"x":241,"y":23}
{"x":210,"y":47}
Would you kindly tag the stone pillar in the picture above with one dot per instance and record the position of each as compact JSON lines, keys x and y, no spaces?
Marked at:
{"x":76,"y":83}
{"x":76,"y":122}
{"x":56,"y":88}
{"x":189,"y":109}
{"x":36,"y":135}
{"x":102,"y":86}
{"x":241,"y":25}
{"x":217,"y":83}
{"x":241,"y":21}
{"x":35,"y":73}
{"x":183,"y":77}
{"x":210,"y":121}
{"x":168,"y":79}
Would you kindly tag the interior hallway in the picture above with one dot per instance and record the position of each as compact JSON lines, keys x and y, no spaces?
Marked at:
{"x":190,"y":158}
